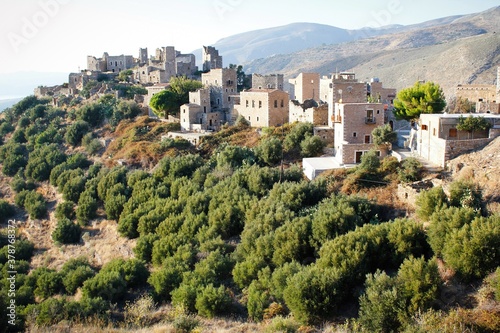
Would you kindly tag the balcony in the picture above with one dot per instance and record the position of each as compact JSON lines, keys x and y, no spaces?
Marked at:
{"x":370,"y":120}
{"x":336,"y":119}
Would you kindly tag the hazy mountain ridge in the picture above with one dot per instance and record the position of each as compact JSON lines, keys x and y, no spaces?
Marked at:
{"x":460,"y":50}
{"x":247,"y":46}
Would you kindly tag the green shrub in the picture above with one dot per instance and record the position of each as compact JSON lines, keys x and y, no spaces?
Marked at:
{"x":269,"y":151}
{"x":33,"y":202}
{"x":474,"y":249}
{"x":133,"y":271}
{"x":109,"y":286}
{"x":311,"y":146}
{"x":76,"y":132}
{"x":6,"y":210}
{"x":431,"y":201}
{"x":66,"y":232}
{"x":48,"y":284}
{"x":184,"y":297}
{"x":211,"y":301}
{"x":297,"y":134}
{"x":380,"y":304}
{"x":443,"y":222}
{"x":314,"y":293}
{"x":65,"y":209}
{"x":167,"y":278}
{"x":410,"y":170}
{"x":75,"y":272}
{"x":466,"y":194}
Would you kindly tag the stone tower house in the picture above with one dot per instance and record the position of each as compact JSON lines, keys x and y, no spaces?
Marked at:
{"x":211,"y":58}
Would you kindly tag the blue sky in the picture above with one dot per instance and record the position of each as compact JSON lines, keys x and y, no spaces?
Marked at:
{"x":57,"y":35}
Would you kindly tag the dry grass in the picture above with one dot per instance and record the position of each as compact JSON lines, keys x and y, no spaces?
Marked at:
{"x":101,"y":244}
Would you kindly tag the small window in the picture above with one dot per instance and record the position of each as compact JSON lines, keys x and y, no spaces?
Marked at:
{"x":228,"y":99}
{"x":260,"y":104}
{"x":246,"y":103}
{"x":354,"y":134}
{"x":367,"y":139}
{"x":453,"y":133}
{"x":248,"y":117}
{"x":424,"y":127}
{"x":257,"y":118}
{"x":275,"y":103}
{"x":378,"y":111}
{"x":253,"y":103}
{"x":282,"y":103}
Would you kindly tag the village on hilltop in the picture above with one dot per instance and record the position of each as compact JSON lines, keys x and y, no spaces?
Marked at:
{"x":343,"y":110}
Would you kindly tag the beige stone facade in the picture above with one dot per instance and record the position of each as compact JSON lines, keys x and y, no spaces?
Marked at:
{"x":486,"y":97}
{"x":315,"y":115}
{"x":305,"y":86}
{"x":439,"y":140}
{"x":222,"y":85}
{"x":109,"y":63}
{"x":353,"y":125}
{"x":197,"y":115}
{"x":263,"y":107}
{"x":211,"y":58}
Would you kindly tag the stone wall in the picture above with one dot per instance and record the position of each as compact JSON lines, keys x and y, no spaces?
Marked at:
{"x":454,"y":148}
{"x":263,"y":108}
{"x":326,"y":134}
{"x":211,"y":58}
{"x":306,"y":86}
{"x":222,"y":84}
{"x":272,"y":81}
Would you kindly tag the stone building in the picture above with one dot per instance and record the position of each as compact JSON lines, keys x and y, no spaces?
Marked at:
{"x":439,"y":140}
{"x":486,"y":97}
{"x":143,"y":56}
{"x":150,"y":74}
{"x":166,"y":64}
{"x":353,"y":124}
{"x":271,"y":81}
{"x":211,"y":58}
{"x":152,"y":90}
{"x":109,"y":63}
{"x":197,"y":114}
{"x":305,"y":86}
{"x":263,"y":107}
{"x":317,"y":115}
{"x":222,"y":85}
{"x":76,"y":81}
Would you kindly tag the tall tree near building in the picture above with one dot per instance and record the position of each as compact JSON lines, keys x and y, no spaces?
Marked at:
{"x":170,"y":100}
{"x":421,"y":98}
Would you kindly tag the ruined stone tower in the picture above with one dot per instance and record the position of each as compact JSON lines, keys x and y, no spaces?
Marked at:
{"x":143,"y":56}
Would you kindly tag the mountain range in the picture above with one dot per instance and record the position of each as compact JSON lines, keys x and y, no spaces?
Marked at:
{"x":451,"y":50}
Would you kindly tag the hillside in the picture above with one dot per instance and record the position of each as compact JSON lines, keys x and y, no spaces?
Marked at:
{"x":263,"y":43}
{"x":117,"y":229}
{"x":420,"y":53}
{"x":482,"y":167}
